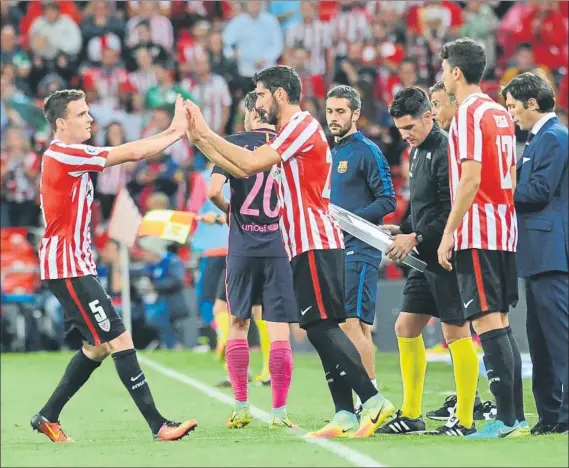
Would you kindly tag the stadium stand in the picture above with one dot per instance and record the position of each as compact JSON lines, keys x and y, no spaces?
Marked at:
{"x":132,"y":57}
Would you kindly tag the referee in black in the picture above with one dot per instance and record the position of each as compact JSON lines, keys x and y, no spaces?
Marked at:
{"x":433,"y":293}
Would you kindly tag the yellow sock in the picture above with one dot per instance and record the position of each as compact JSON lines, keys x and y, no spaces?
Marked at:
{"x":465,"y":364}
{"x":413,"y":362}
{"x":265,"y":342}
{"x":222,"y":321}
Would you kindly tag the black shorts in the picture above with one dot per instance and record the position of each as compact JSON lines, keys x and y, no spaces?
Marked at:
{"x":318,"y":280}
{"x":212,"y":275}
{"x":487,"y":280}
{"x":87,"y":309}
{"x":265,"y":281}
{"x":434,"y":292}
{"x":221,"y":293}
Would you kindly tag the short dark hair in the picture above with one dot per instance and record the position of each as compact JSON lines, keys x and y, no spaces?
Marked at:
{"x":55,"y":105}
{"x":467,"y":55}
{"x":411,"y":101}
{"x":144,"y":22}
{"x":51,"y":6}
{"x":281,"y":76}
{"x":349,"y":93}
{"x":530,"y":85}
{"x":250,"y":100}
{"x":440,"y":86}
{"x":524,"y":46}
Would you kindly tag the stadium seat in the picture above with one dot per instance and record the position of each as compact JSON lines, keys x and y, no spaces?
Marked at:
{"x":20,"y":283}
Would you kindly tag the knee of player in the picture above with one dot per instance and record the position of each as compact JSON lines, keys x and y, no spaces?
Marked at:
{"x":351,"y":326}
{"x":96,"y":353}
{"x":121,"y":343}
{"x":407,"y":327}
{"x":452,"y":333}
{"x":239,"y":324}
{"x":488,"y":322}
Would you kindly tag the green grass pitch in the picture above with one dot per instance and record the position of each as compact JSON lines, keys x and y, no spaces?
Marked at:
{"x":109,"y":431}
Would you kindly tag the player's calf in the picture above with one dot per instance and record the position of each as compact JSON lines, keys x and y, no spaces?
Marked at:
{"x":280,"y":367}
{"x":133,"y":378}
{"x":500,"y":364}
{"x":465,"y":366}
{"x":76,"y":374}
{"x":353,"y":328}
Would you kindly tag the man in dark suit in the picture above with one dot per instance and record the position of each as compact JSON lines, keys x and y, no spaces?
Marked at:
{"x":541,"y":199}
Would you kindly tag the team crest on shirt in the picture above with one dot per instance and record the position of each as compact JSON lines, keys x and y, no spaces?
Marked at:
{"x":92,"y":150}
{"x":105,"y":325}
{"x":342,"y":167}
{"x":501,"y":121}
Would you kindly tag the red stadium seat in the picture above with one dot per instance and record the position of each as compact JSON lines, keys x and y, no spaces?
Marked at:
{"x":20,"y":283}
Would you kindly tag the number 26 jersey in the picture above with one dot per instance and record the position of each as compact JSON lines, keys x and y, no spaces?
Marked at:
{"x":254,"y":209}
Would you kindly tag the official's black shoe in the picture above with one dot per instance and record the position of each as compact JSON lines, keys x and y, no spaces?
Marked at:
{"x":561,"y":428}
{"x":453,"y":428}
{"x":444,"y":412}
{"x":542,"y":429}
{"x":403,"y":425}
{"x":485,"y":411}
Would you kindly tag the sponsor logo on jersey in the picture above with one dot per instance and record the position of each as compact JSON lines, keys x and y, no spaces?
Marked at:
{"x":276,"y":173}
{"x":253,"y":227}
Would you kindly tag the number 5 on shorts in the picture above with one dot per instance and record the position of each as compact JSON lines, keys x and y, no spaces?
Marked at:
{"x":100,"y":315}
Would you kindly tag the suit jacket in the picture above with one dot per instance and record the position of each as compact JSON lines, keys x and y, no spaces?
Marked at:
{"x":542,"y":205}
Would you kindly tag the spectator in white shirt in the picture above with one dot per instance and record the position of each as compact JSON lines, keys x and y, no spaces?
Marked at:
{"x":254,"y":38}
{"x":53,"y":33}
{"x":313,"y":35}
{"x":161,"y":27}
{"x":212,"y":93}
{"x":145,"y":76}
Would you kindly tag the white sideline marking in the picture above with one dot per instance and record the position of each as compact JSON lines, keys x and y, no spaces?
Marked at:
{"x":353,"y":456}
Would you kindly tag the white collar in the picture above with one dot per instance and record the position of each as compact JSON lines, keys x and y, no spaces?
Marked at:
{"x":541,"y":122}
{"x":474,"y":95}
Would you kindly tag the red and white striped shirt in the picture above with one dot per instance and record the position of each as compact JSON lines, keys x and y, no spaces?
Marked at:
{"x":66,"y":194}
{"x":304,"y":187}
{"x":314,"y":37}
{"x":213,"y":96}
{"x":483,"y":131}
{"x":347,"y":28}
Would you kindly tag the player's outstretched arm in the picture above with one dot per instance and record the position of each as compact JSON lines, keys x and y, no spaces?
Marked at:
{"x":210,"y":152}
{"x":248,"y":162}
{"x":148,"y":147}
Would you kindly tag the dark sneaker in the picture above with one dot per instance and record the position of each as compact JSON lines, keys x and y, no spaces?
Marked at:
{"x":52,"y":430}
{"x":542,"y":429}
{"x":485,"y":411}
{"x":454,"y":429}
{"x":444,"y":412}
{"x":403,"y":425}
{"x":560,"y":428}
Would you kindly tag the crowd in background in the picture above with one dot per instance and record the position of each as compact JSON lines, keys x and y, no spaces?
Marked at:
{"x":132,"y":57}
